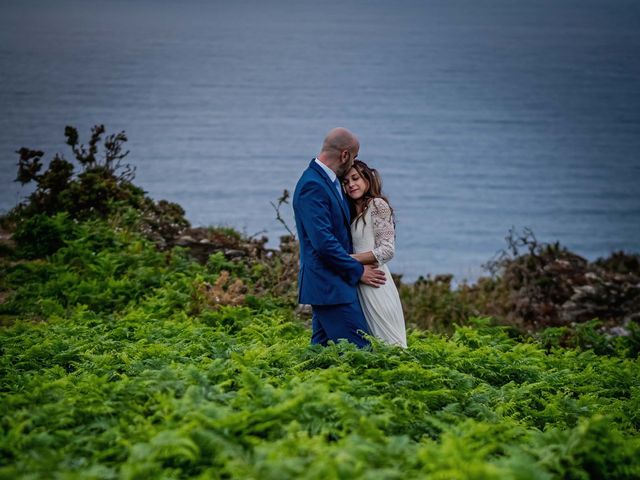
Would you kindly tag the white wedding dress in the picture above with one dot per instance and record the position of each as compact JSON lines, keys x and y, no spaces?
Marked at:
{"x":381,"y":306}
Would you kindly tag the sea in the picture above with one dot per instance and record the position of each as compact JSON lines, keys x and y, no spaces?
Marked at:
{"x":482,"y":116}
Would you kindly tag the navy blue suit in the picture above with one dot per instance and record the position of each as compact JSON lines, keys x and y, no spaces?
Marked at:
{"x":328,"y":274}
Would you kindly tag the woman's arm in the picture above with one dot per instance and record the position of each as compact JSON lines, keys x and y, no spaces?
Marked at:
{"x":383,"y":231}
{"x":384,"y":235}
{"x":365,"y":258}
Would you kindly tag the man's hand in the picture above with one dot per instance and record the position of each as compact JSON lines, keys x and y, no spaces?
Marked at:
{"x":372,"y":276}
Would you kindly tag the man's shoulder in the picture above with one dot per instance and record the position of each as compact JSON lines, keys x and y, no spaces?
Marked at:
{"x":309,"y":177}
{"x":310,"y":186}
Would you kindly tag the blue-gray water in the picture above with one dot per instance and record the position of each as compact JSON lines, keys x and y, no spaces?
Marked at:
{"x":480,"y":114}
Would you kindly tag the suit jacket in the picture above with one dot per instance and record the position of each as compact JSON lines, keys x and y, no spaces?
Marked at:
{"x":328,"y":275}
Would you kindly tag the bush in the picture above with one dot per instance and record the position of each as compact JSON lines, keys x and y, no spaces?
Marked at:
{"x":40,"y":235}
{"x":102,"y":188}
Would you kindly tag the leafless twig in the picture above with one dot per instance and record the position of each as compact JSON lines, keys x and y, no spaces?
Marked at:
{"x":283,"y":199}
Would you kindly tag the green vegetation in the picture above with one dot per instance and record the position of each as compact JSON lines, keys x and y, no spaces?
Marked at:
{"x":120,"y":359}
{"x":542,"y":290}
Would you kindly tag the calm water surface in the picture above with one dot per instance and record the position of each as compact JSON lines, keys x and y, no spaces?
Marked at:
{"x":480,"y":114}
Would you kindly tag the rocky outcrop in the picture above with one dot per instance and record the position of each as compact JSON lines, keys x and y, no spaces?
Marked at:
{"x":609,"y":296}
{"x":550,"y":286}
{"x":203,"y":242}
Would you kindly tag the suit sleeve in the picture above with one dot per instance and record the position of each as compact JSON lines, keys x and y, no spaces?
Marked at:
{"x":314,"y":212}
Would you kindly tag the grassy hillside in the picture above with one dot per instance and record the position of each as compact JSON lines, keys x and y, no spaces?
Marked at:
{"x":116,"y":363}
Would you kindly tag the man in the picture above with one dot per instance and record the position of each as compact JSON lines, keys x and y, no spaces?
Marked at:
{"x":328,"y":275}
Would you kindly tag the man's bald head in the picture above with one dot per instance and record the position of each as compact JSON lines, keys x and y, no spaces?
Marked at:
{"x":339,"y":150}
{"x":339,"y":139}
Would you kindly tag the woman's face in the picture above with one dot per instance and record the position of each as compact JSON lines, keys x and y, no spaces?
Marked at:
{"x":354,"y":184}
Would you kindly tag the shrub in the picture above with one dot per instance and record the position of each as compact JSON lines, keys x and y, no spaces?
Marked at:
{"x":41,"y":235}
{"x":102,"y":188}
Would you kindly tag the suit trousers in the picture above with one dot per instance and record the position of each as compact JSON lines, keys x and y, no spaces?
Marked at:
{"x":333,"y":322}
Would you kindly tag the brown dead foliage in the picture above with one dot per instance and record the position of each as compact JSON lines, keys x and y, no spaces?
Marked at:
{"x":224,"y":291}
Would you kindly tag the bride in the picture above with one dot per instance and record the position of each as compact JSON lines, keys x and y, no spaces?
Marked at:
{"x":373,"y":233}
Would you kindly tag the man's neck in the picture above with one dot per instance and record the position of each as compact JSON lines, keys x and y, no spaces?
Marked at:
{"x":328,"y":170}
{"x":327,"y":163}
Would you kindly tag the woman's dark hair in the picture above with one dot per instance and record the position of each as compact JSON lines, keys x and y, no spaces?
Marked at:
{"x":372,"y":177}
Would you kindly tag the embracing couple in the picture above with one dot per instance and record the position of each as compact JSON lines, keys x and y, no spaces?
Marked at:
{"x":347,"y":234}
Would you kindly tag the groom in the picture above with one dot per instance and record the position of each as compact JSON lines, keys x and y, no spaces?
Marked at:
{"x":328,"y":275}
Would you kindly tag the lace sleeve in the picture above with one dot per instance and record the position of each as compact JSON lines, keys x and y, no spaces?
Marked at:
{"x":383,"y":231}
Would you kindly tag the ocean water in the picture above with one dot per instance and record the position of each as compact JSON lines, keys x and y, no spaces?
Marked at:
{"x":481,"y":115}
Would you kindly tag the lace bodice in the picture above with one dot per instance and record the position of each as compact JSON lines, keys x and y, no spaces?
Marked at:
{"x":376,"y":233}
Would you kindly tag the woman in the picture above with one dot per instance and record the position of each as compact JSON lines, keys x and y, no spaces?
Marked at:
{"x":373,"y":233}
